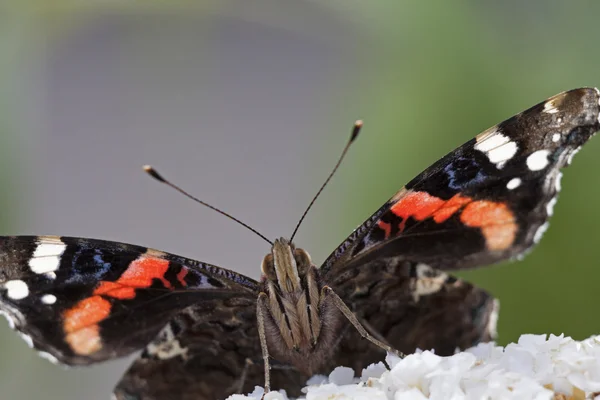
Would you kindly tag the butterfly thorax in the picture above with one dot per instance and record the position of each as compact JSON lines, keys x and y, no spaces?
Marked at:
{"x":292,"y":285}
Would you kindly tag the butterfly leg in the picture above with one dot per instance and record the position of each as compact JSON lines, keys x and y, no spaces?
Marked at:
{"x":261,"y":306}
{"x":238,"y":386}
{"x":328,"y":293}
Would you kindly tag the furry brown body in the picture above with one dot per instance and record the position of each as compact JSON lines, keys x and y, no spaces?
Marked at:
{"x":301,"y":322}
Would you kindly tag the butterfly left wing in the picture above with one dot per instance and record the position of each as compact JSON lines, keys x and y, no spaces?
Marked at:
{"x":203,"y":355}
{"x":488,"y":200}
{"x":81,"y":301}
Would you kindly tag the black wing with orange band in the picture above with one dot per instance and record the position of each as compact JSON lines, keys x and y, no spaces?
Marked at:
{"x":82,"y":301}
{"x":488,"y":200}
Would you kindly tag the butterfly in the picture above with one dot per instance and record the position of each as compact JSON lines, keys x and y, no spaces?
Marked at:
{"x":206,"y":332}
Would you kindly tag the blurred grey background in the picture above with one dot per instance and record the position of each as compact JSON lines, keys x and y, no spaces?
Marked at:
{"x":248,"y":104}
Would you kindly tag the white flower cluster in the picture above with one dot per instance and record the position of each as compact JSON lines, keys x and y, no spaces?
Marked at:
{"x":536,"y":367}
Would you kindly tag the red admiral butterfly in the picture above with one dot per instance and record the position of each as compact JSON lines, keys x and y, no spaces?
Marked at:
{"x":208,"y":332}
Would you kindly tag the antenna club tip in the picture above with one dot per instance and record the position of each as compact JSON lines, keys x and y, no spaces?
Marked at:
{"x":356,"y":130}
{"x":153,"y":173}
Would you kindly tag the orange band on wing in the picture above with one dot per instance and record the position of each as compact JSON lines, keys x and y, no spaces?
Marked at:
{"x":450,"y":208}
{"x":87,"y":312}
{"x":496,"y":221}
{"x":181,"y":276}
{"x":85,"y":341}
{"x":422,"y":205}
{"x":139,"y":274}
{"x":386,"y":227}
{"x":419,"y":205}
{"x":143,"y":271}
{"x":116,"y":290}
{"x":80,"y":322}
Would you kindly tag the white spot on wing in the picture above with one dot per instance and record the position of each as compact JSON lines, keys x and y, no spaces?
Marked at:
{"x":45,"y":249}
{"x":497,"y":147}
{"x":557,"y":182}
{"x":492,"y":140}
{"x":49,"y":357}
{"x":48,"y":299}
{"x":538,"y":160}
{"x":550,"y":107}
{"x":503,"y":153}
{"x":428,"y":281}
{"x":16,"y":289}
{"x":550,"y":206}
{"x":598,"y":94}
{"x":166,"y":345}
{"x":540,"y":232}
{"x":513,"y":183}
{"x":572,"y":154}
{"x":492,"y":326}
{"x":26,"y":338}
{"x":46,"y":257}
{"x":556,"y":137}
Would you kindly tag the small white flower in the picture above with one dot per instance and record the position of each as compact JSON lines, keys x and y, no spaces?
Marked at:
{"x":341,"y":376}
{"x":536,"y":367}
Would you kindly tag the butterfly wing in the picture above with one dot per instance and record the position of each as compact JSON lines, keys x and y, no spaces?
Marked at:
{"x":412,"y":306}
{"x":82,"y":301}
{"x":203,"y":354}
{"x":488,"y":200}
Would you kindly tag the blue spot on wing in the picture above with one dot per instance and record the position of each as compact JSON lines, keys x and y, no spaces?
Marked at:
{"x":464,"y":172}
{"x":90,"y":265}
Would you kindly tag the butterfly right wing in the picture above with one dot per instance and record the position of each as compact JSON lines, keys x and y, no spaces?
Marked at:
{"x":412,"y":306}
{"x":487,"y":201}
{"x":82,"y":301}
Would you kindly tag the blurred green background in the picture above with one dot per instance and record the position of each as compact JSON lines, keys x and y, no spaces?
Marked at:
{"x":269,"y":90}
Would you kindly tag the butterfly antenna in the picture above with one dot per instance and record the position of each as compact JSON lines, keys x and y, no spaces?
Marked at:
{"x":153,"y":173}
{"x":355,"y":131}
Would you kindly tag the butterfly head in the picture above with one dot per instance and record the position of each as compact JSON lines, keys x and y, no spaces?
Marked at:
{"x":286,"y":265}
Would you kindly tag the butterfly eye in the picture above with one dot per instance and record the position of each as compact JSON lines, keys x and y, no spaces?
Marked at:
{"x":268,"y":267}
{"x":303,"y":261}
